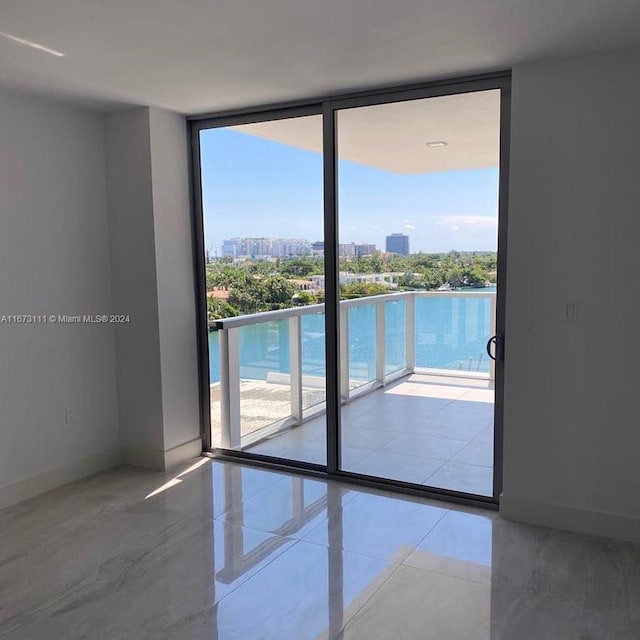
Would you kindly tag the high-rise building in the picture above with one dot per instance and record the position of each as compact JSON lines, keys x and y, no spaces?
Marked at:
{"x":285,"y":247}
{"x":265,"y":247}
{"x":398,"y":243}
{"x":365,"y":249}
{"x":230,"y":248}
{"x":347,"y":250}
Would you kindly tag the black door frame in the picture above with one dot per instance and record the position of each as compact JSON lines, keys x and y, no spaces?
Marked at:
{"x":328,"y":107}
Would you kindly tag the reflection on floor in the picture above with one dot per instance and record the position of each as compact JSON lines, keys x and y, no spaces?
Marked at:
{"x":430,"y":430}
{"x":230,"y":552}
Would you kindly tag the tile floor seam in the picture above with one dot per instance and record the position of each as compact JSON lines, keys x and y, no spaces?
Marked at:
{"x":444,"y":573}
{"x":359,"y":609}
{"x":424,"y":537}
{"x":405,"y":433}
{"x":348,"y":495}
{"x":259,"y":571}
{"x":473,"y":464}
{"x":355,"y":553}
{"x":475,"y":438}
{"x":251,"y":577}
{"x":402,"y":566}
{"x":424,"y":482}
{"x":445,"y":437}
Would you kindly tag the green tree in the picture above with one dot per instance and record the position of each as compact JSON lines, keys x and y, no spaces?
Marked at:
{"x":277,"y":292}
{"x":475,"y":277}
{"x":409,"y":280}
{"x":298,"y":267}
{"x":245,"y":300}
{"x":454,"y":276}
{"x":218,"y":309}
{"x":362,"y":289}
{"x":304,"y":298}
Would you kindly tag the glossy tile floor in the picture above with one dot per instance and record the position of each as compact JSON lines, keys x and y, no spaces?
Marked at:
{"x":224,"y":551}
{"x":425,"y":429}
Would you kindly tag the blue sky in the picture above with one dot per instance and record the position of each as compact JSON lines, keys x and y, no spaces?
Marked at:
{"x":255,"y":187}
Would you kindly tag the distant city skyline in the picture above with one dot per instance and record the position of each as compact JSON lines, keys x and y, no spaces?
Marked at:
{"x":254,"y":187}
{"x":250,"y":246}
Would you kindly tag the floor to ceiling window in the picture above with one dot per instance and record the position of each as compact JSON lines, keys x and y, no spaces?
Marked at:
{"x":263,"y":240}
{"x":351,"y":286}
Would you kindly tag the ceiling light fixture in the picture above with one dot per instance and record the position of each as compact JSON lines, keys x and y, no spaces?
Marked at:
{"x":33,"y":45}
{"x":436,"y":143}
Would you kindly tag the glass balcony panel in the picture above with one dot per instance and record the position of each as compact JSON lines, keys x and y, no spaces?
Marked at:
{"x":214,"y":388}
{"x":452,"y":332}
{"x":314,"y":388}
{"x":395,"y":336}
{"x":265,"y":386}
{"x":362,"y":345}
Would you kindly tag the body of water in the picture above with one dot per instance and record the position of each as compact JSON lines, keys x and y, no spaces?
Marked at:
{"x":450,"y":333}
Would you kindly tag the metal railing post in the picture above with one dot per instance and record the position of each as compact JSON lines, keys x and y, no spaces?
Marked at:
{"x":380,"y":342}
{"x":230,"y":388}
{"x":295,"y":366}
{"x":344,"y":353}
{"x":410,"y":331}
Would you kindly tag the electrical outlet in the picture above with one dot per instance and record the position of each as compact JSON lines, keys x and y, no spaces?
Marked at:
{"x":571,"y":311}
{"x":68,"y":415}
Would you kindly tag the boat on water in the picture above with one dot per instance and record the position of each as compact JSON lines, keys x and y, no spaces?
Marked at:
{"x":445,"y":287}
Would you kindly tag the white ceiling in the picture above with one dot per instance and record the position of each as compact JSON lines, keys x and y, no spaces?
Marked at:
{"x":393,"y":136}
{"x":194,"y":56}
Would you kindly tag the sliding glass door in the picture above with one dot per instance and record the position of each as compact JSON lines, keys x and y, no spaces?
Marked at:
{"x":351,"y":285}
{"x":418,"y":199}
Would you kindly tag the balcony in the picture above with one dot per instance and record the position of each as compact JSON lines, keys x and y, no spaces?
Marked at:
{"x":416,"y":386}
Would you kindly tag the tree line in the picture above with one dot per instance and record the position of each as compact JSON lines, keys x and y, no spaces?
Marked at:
{"x":259,"y":285}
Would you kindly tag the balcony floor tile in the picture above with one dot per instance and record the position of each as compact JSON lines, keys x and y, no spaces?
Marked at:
{"x":394,"y":466}
{"x":424,"y":429}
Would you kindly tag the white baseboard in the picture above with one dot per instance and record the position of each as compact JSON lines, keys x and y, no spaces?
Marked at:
{"x":145,"y":458}
{"x":609,"y":525}
{"x":182,"y":453}
{"x":162,"y":460}
{"x":52,"y":478}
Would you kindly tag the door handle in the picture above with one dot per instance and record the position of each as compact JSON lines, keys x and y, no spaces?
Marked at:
{"x":498,"y":341}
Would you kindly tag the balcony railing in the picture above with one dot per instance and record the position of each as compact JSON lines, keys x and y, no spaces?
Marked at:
{"x":382,"y":338}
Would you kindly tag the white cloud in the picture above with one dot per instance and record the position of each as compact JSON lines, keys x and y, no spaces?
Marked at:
{"x":455,"y":228}
{"x":486,"y":222}
{"x":475,"y":223}
{"x":409,"y":226}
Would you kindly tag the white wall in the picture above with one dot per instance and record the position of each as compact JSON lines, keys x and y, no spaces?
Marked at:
{"x":54,"y":259}
{"x":94,"y":215}
{"x":174,"y":269}
{"x":572,"y":440}
{"x":150,"y":227}
{"x":133,"y":259}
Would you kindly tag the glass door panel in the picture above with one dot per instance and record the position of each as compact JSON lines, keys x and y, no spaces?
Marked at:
{"x":418,"y":186}
{"x":262,"y":204}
